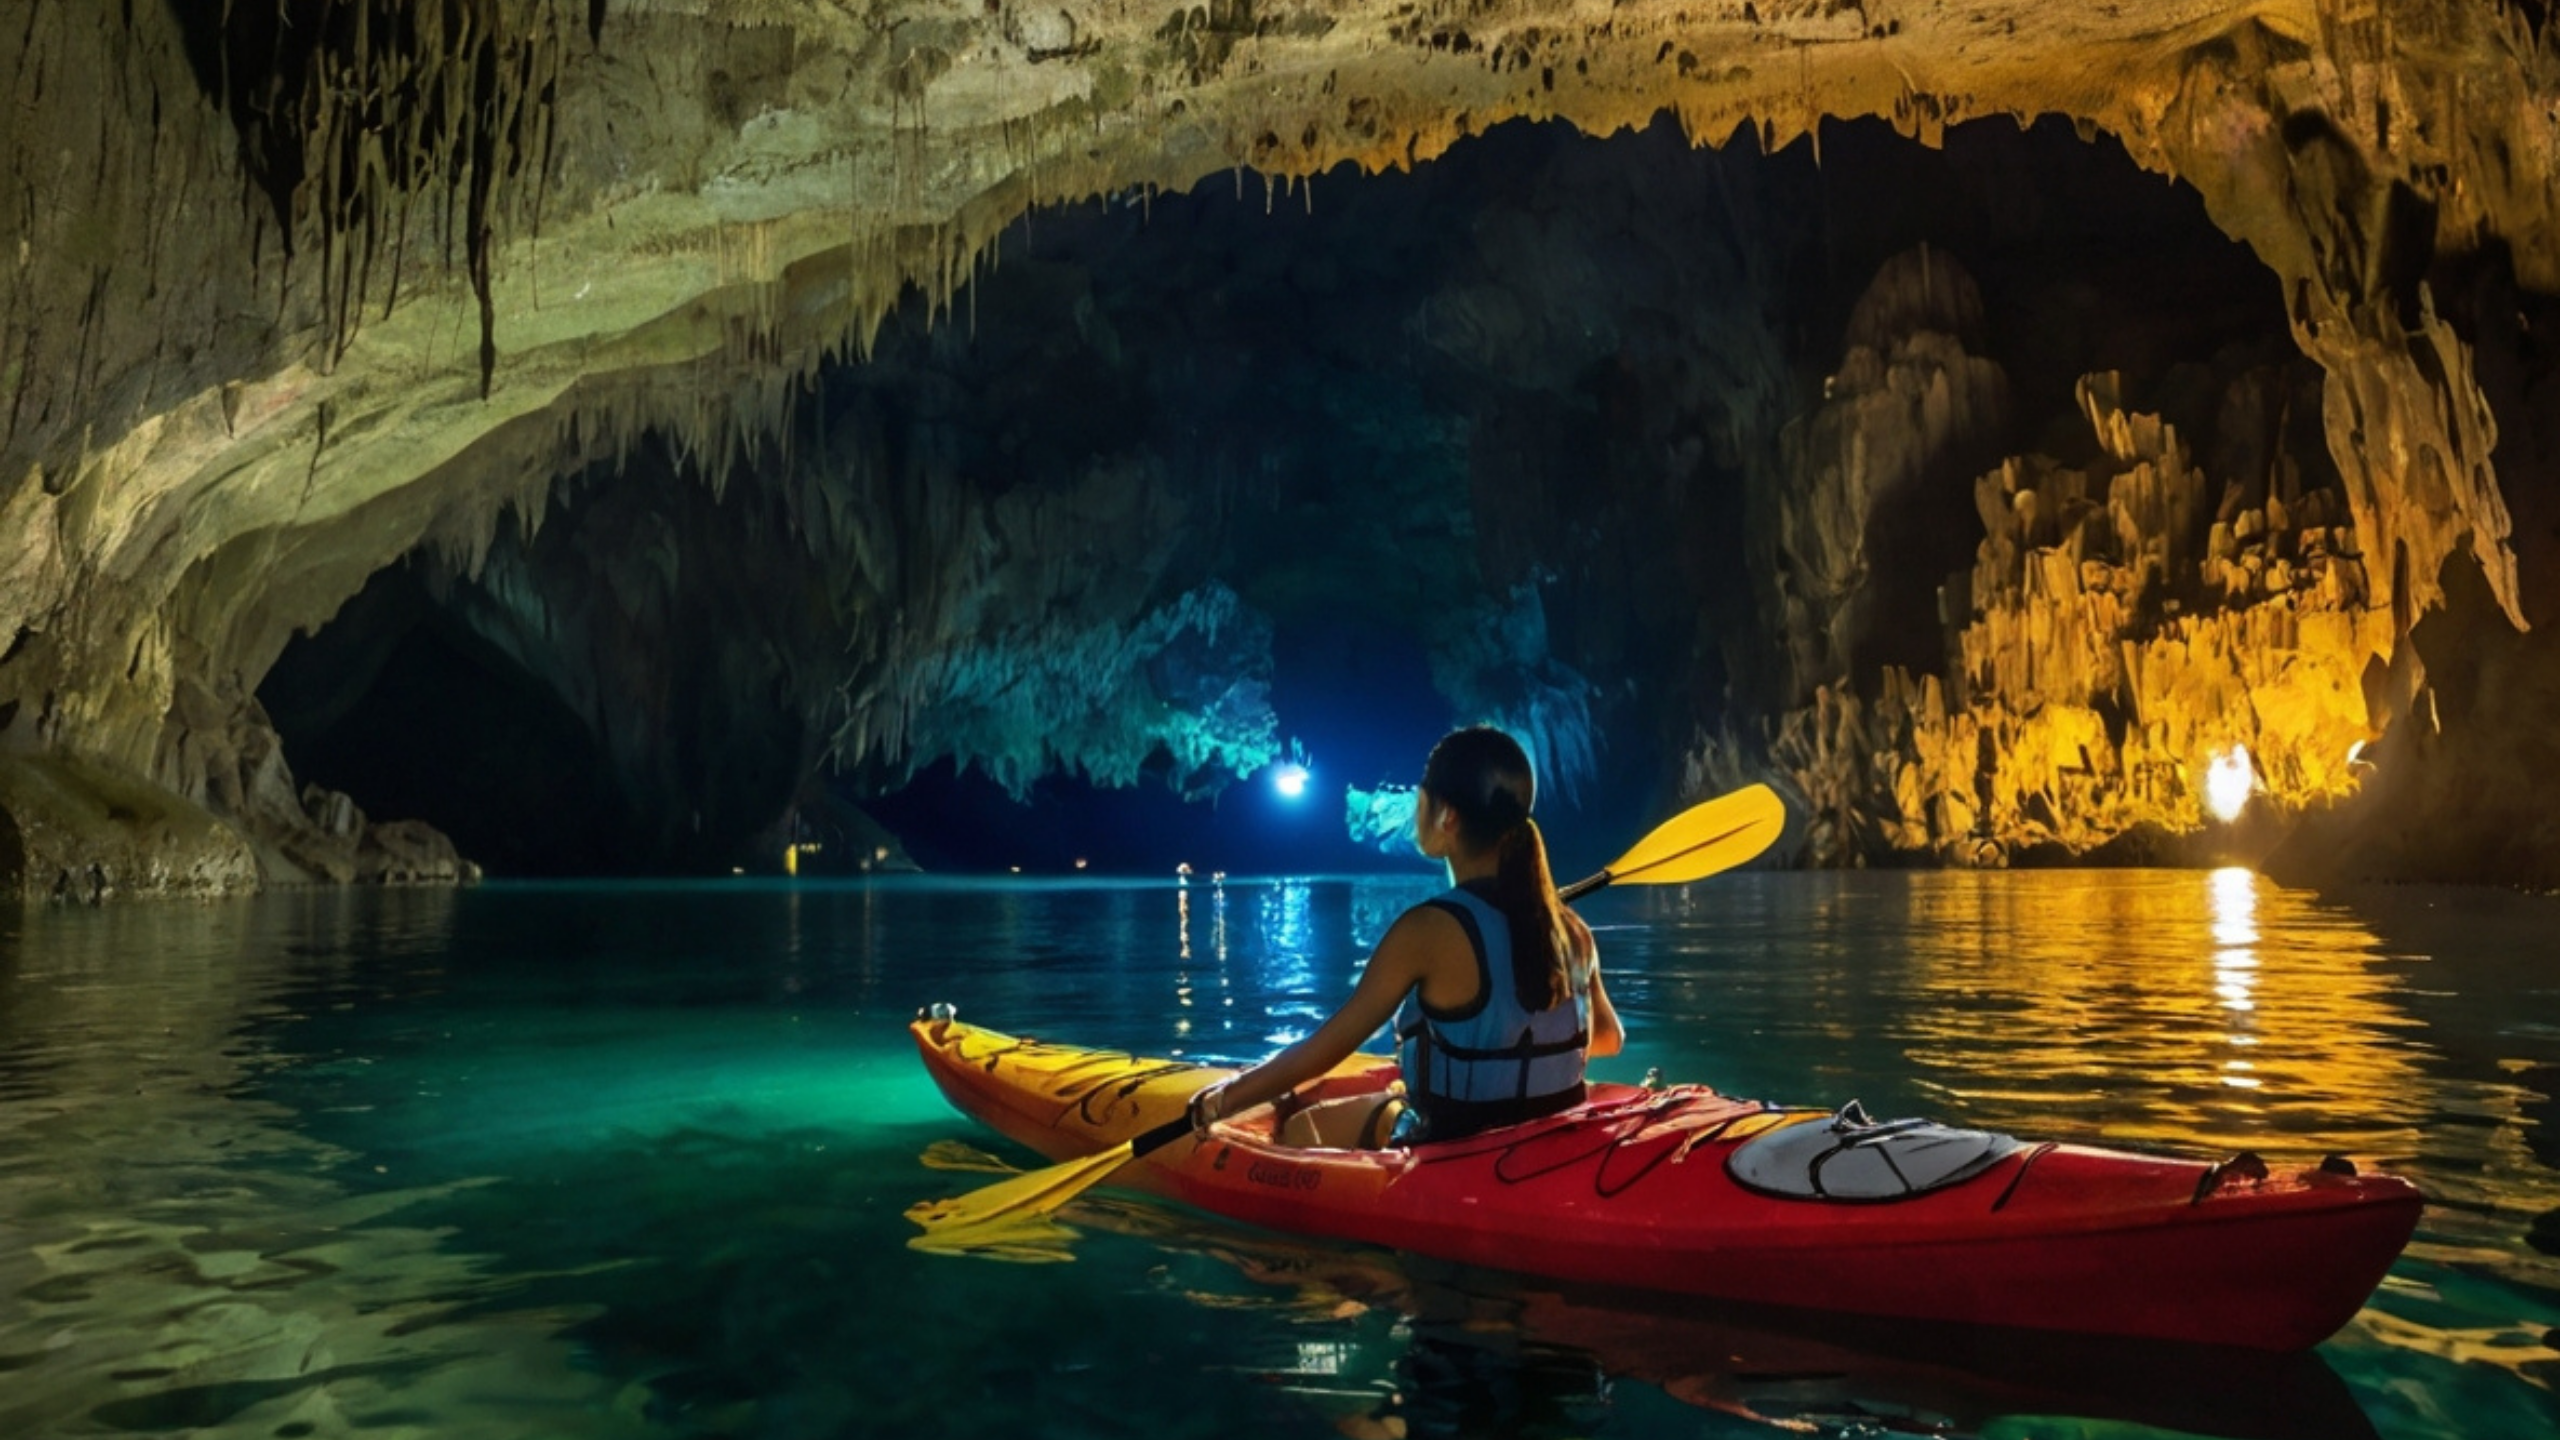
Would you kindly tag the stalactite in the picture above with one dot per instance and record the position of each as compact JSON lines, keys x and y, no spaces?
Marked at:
{"x":346,"y":110}
{"x":360,"y":126}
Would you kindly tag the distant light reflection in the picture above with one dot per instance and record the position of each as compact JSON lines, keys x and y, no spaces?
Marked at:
{"x":2143,"y":986}
{"x":1286,"y":931}
{"x":2233,"y":895}
{"x":2234,"y":900}
{"x":2235,"y":906}
{"x":1218,"y":938}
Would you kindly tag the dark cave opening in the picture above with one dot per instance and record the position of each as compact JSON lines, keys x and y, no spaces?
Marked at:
{"x":1479,"y":439}
{"x":411,"y":712}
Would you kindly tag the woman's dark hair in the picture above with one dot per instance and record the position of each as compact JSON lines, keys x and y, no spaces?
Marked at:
{"x":1483,"y":775}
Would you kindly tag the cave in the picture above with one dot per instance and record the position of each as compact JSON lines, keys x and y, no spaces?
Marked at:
{"x":1483,"y":440}
{"x":546,"y":438}
{"x":846,"y":515}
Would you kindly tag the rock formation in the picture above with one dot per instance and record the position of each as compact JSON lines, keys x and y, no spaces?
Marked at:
{"x":2123,"y":623}
{"x":296,"y":288}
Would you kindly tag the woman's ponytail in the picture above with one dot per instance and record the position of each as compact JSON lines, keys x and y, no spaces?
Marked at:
{"x":1525,"y":893}
{"x":1484,"y":776}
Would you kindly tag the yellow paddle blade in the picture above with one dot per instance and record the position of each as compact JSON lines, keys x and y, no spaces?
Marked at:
{"x":1021,"y":1239}
{"x":1024,"y":1197}
{"x":1704,"y":839}
{"x":955,"y":1155}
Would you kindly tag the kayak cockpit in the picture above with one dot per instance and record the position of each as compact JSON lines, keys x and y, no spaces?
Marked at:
{"x":1335,"y":1112}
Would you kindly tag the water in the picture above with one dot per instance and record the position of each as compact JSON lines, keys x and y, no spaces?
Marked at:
{"x":623,"y":1161}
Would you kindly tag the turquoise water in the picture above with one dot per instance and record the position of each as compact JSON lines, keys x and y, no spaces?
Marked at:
{"x":630,"y":1161}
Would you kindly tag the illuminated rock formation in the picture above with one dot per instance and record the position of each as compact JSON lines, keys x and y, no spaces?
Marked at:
{"x":1912,"y":402}
{"x":299,"y":287}
{"x":2115,"y":633}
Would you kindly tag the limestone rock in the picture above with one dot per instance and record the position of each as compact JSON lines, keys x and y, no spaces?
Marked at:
{"x":409,"y":852}
{"x":73,"y":830}
{"x":510,"y":259}
{"x":1907,"y":404}
{"x":2111,"y":639}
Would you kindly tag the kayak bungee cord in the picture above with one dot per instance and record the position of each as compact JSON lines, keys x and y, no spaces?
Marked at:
{"x":1648,"y":1126}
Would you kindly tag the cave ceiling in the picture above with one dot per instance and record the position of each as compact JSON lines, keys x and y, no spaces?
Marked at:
{"x":299,"y":288}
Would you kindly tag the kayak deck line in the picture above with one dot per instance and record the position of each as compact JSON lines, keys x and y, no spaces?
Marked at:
{"x":1637,"y":1187}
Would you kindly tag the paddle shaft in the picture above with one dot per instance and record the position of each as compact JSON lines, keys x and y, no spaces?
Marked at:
{"x":1584,"y":886}
{"x":1147,"y":1142}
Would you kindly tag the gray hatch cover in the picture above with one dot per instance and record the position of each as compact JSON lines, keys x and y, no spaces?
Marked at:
{"x":1851,"y":1157}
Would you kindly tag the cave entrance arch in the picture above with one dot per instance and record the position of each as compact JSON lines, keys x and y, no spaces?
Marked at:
{"x":1531,"y":419}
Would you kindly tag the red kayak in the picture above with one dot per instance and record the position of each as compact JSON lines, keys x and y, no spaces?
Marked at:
{"x":1681,"y":1189}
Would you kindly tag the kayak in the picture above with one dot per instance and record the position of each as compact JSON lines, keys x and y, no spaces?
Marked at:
{"x":1680,"y":1189}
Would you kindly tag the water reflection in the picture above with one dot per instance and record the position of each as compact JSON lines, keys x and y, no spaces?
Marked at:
{"x":2169,"y":1008}
{"x":2235,"y":965}
{"x":629,"y":1161}
{"x":174,"y":1254}
{"x":1203,"y":996}
{"x":1182,"y":976}
{"x":1376,"y":902}
{"x":2202,"y":1014}
{"x":1473,"y":1353}
{"x":1286,"y":939}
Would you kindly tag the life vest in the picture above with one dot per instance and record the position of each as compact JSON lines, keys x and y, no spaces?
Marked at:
{"x":1493,"y":1062}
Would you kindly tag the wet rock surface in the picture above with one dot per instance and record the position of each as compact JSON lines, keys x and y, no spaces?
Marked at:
{"x":83,"y":834}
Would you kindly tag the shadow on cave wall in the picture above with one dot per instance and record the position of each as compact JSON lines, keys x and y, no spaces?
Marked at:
{"x":402,"y":705}
{"x":1544,"y":366}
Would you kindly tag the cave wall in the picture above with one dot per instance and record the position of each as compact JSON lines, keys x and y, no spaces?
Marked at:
{"x":291,"y":300}
{"x":1519,"y":404}
{"x":1057,"y":535}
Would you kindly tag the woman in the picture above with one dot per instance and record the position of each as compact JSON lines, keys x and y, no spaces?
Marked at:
{"x":1494,"y":987}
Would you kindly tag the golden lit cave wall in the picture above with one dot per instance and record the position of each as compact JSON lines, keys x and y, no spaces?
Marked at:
{"x":2069,"y":719}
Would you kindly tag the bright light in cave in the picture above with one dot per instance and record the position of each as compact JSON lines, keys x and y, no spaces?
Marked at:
{"x":2228,"y":782}
{"x":1290,"y":779}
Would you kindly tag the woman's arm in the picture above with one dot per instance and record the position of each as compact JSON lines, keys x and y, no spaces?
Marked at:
{"x":1608,"y":1037}
{"x":1395,"y":967}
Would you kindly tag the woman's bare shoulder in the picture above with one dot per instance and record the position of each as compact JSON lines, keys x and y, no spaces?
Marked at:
{"x":1425,"y":924}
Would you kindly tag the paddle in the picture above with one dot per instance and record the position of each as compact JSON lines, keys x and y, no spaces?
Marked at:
{"x":1706,"y":839}
{"x":1709,"y":837}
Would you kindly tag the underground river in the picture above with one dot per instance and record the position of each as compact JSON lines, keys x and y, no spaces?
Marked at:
{"x":625,"y":1160}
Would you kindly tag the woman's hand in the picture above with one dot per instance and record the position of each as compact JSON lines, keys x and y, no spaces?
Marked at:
{"x":1208,"y":1106}
{"x":1395,"y":967}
